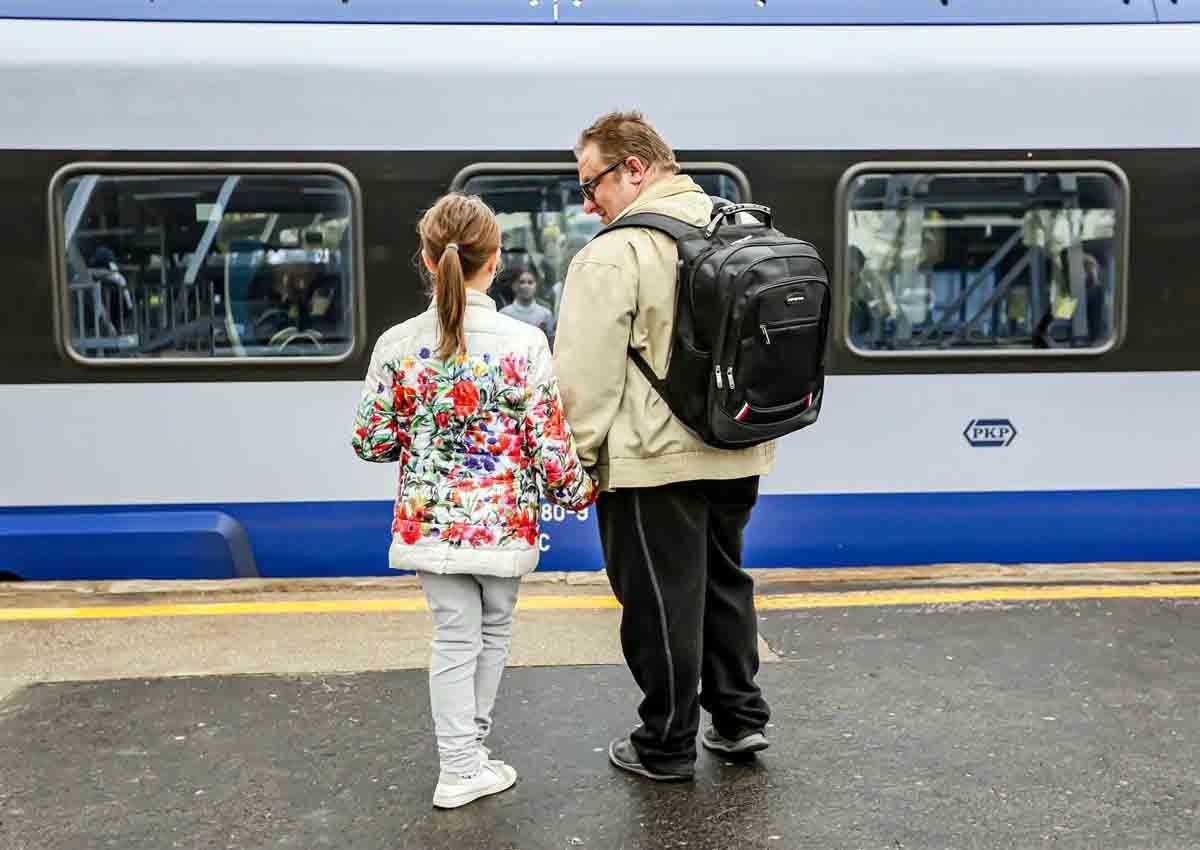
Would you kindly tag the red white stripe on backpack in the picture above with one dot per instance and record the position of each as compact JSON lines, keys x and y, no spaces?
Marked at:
{"x":741,"y":414}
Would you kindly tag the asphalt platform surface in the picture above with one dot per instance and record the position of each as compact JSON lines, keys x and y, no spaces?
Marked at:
{"x":1063,"y":724}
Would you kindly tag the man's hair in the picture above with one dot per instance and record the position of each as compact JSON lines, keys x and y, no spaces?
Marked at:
{"x":620,"y":135}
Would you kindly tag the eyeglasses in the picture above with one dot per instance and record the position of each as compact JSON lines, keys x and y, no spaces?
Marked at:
{"x":589,"y":187}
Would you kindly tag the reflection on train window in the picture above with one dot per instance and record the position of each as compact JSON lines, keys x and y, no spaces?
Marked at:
{"x":982,"y":261}
{"x":543,"y":226}
{"x":208,"y":265}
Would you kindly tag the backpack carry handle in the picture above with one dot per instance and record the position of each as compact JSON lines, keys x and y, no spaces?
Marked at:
{"x":719,"y":216}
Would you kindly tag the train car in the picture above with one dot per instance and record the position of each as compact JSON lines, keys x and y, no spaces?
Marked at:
{"x":208,"y":208}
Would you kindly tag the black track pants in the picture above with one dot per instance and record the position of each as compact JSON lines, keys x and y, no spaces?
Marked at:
{"x":673,"y":555}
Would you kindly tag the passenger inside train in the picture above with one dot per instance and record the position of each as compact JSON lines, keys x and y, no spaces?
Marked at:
{"x":208,"y":266}
{"x":525,"y":306}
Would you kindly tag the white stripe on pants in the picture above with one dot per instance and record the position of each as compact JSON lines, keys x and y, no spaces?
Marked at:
{"x":472,"y":628}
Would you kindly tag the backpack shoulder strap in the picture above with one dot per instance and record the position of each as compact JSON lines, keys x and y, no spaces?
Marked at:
{"x":660,"y":386}
{"x":673,"y":227}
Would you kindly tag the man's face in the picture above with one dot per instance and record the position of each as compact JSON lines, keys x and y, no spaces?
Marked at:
{"x":525,"y":287}
{"x":614,"y":191}
{"x":854,"y":268}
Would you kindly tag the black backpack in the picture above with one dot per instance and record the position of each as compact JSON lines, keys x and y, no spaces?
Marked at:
{"x":747,"y":359}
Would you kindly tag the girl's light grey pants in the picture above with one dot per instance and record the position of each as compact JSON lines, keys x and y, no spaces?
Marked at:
{"x":472,"y":629}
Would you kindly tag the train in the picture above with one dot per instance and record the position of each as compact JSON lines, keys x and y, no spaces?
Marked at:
{"x":208,"y":209}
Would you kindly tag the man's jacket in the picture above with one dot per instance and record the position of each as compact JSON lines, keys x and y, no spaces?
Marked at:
{"x":620,"y":292}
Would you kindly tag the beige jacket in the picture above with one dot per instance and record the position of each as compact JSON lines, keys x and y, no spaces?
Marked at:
{"x":620,"y":291}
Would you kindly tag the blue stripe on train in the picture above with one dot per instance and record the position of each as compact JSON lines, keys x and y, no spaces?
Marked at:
{"x":296,"y":539}
{"x":626,"y":12}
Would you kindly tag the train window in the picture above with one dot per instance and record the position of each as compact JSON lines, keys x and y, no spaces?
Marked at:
{"x":987,"y":258}
{"x":543,"y":223}
{"x":196,"y":264}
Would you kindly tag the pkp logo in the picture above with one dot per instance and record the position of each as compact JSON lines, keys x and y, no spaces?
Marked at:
{"x":995,"y":433}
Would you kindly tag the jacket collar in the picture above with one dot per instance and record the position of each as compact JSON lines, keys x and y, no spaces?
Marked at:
{"x":664,"y":187}
{"x":475,"y":298}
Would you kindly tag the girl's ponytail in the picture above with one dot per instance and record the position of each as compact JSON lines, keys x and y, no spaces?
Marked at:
{"x":451,"y":295}
{"x":461,"y":231}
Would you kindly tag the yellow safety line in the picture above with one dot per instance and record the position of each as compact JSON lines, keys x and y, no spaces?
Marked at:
{"x":775,"y":602}
{"x":947,"y":595}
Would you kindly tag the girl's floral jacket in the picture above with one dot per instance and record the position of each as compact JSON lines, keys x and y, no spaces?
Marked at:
{"x":479,"y":438}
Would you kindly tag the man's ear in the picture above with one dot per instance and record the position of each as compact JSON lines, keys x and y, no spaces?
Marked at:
{"x":636,"y":170}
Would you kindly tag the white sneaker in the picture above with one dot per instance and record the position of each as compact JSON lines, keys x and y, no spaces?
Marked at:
{"x":454,"y":791}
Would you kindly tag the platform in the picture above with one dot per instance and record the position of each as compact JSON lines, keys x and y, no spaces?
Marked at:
{"x":988,"y":715}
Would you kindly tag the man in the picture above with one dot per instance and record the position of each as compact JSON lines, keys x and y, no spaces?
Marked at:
{"x":871,"y":303}
{"x":1095,"y":296}
{"x":526,"y":309}
{"x":673,"y":511}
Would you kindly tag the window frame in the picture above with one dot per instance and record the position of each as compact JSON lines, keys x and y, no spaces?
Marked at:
{"x":483,"y":169}
{"x":61,"y":302}
{"x":841,"y":311}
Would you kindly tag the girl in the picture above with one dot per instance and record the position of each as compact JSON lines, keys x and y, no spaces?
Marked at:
{"x":465,"y":399}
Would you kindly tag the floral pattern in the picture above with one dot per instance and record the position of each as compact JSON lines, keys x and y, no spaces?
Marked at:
{"x":479,"y":439}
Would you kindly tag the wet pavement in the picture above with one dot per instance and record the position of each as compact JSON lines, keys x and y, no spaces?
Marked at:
{"x":1066,"y":724}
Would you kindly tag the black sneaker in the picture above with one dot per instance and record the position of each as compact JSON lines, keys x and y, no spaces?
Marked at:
{"x":622,"y":753}
{"x":752,"y":742}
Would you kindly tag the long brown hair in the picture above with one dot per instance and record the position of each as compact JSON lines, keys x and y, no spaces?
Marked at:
{"x":459,"y":234}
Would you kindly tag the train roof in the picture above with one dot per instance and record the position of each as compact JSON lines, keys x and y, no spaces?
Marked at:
{"x":619,"y":12}
{"x":288,"y":86}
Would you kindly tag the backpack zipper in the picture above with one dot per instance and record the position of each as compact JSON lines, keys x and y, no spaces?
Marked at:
{"x":786,"y":282}
{"x":786,"y":326}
